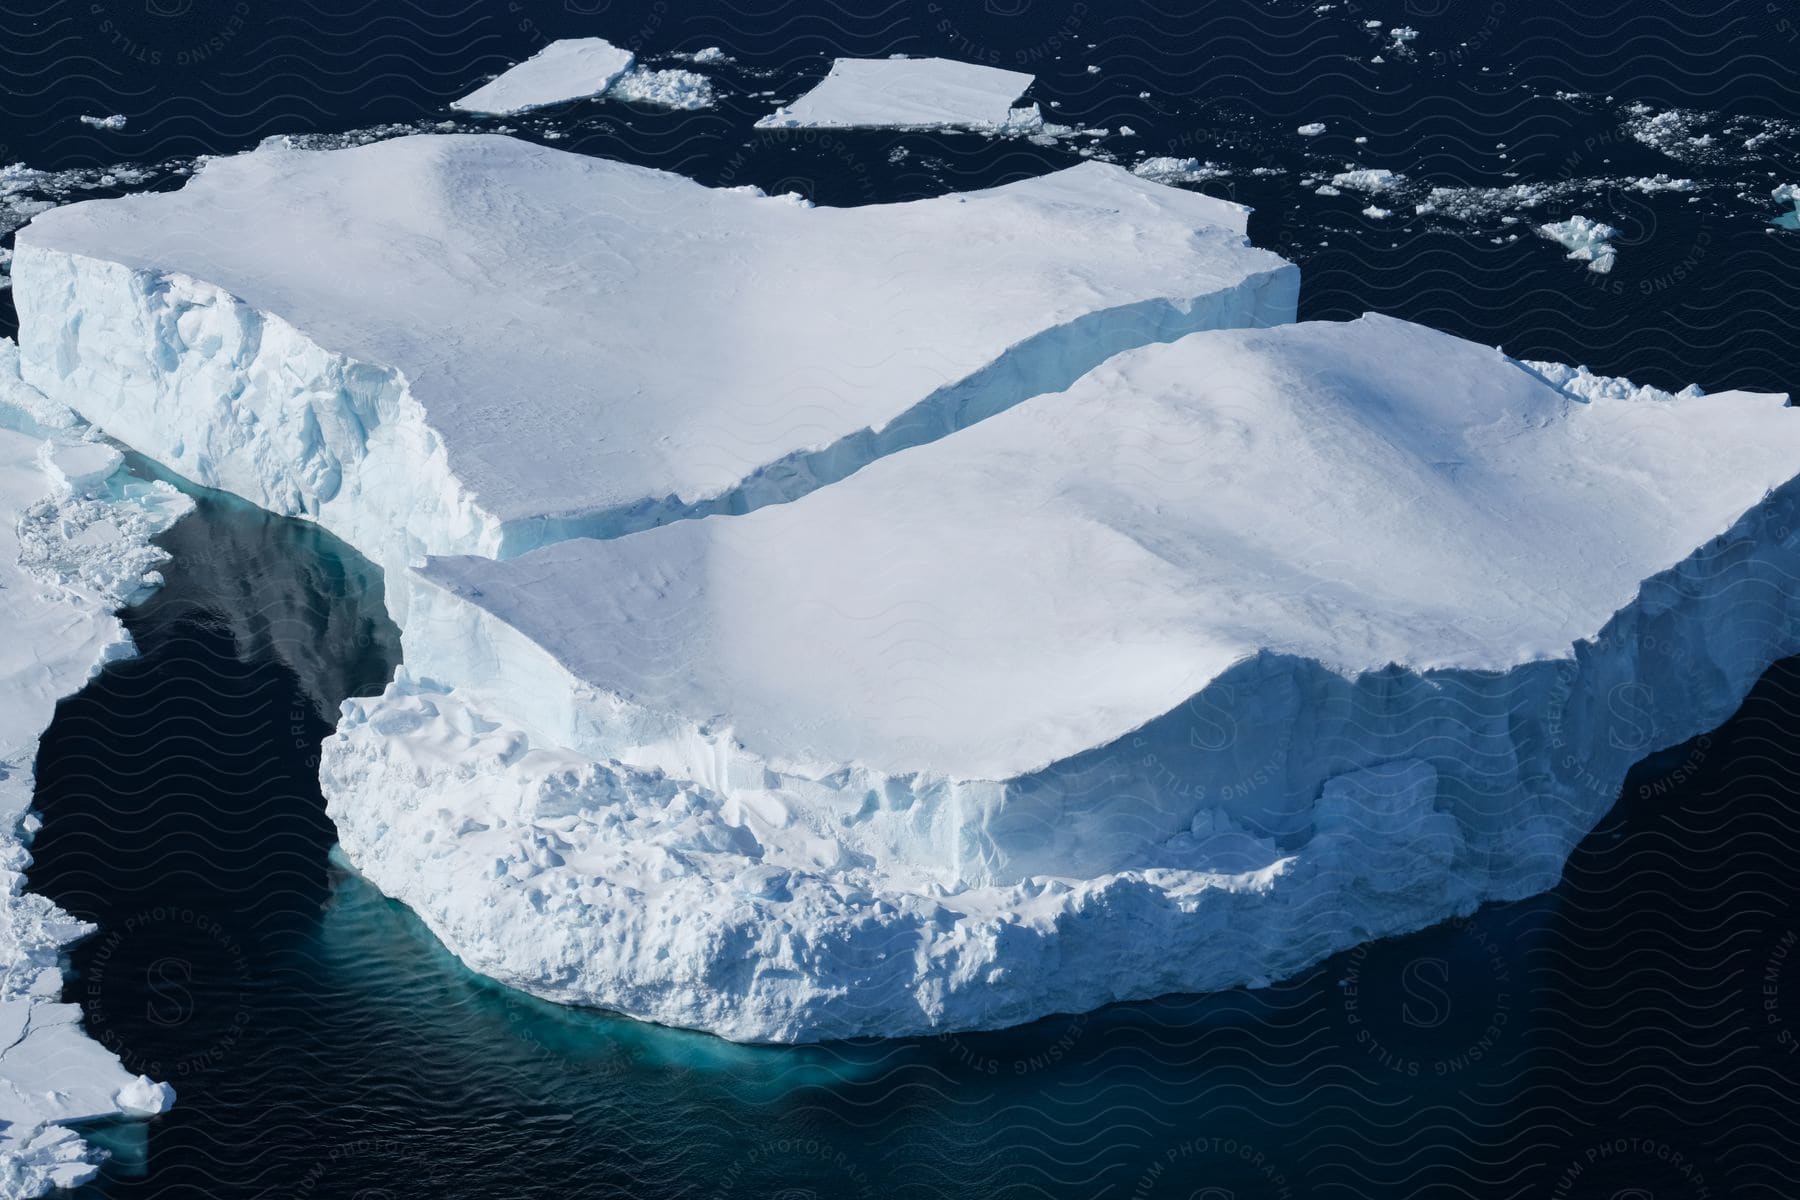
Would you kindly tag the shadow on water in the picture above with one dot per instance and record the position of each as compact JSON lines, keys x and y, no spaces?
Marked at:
{"x":1635,"y":1028}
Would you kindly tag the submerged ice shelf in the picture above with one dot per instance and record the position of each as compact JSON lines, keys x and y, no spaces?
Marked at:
{"x":921,"y":616}
{"x":472,"y":344}
{"x":75,"y":536}
{"x":1240,"y":651}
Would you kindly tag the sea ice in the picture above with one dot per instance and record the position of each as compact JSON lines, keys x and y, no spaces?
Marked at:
{"x":906,"y":93}
{"x":476,"y":344}
{"x":1241,"y":650}
{"x":569,"y":69}
{"x":75,"y":536}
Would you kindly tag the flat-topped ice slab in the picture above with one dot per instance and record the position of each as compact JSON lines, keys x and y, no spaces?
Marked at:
{"x":1242,"y":650}
{"x":905,"y":93}
{"x":569,"y":69}
{"x":477,"y":344}
{"x":1056,"y":577}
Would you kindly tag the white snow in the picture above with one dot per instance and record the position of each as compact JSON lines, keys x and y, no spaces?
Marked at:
{"x":905,"y":93}
{"x":476,"y":344}
{"x":116,"y":121}
{"x":686,"y":90}
{"x":1241,"y":650}
{"x":1586,"y":240}
{"x":74,"y":545}
{"x":569,"y":69}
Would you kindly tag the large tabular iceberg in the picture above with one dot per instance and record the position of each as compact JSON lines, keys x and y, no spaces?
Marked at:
{"x":75,"y":536}
{"x":472,"y":344}
{"x":997,"y":618}
{"x":1241,"y":650}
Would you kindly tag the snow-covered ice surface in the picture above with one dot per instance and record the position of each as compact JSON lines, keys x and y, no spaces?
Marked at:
{"x":906,"y":93}
{"x":1240,"y":651}
{"x":74,"y":545}
{"x":474,"y":344}
{"x":569,"y":69}
{"x":1586,"y":240}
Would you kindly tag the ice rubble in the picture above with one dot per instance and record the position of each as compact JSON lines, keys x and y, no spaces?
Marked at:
{"x":74,"y":545}
{"x":906,"y":93}
{"x":569,"y":69}
{"x":1240,"y":651}
{"x":473,"y":344}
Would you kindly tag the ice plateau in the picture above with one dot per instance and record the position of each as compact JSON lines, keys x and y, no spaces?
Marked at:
{"x":473,"y":344}
{"x":75,"y":534}
{"x":1241,"y":650}
{"x":907,"y":93}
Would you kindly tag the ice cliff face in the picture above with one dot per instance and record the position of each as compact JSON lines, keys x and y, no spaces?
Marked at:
{"x":1007,"y":623}
{"x":1242,"y":650}
{"x":75,"y":536}
{"x":358,"y":336}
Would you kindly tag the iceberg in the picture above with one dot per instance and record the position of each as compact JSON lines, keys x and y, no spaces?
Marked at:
{"x":75,"y":534}
{"x":824,"y":622}
{"x":907,"y":93}
{"x":1241,"y":650}
{"x":569,"y":69}
{"x":474,"y":344}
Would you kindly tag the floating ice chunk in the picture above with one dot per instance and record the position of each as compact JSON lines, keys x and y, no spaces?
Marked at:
{"x":905,"y":93}
{"x":687,"y":90}
{"x":1234,"y":632}
{"x":1587,"y":241}
{"x":1167,"y":169}
{"x":588,"y":347}
{"x":144,"y":1097}
{"x":1788,"y":193}
{"x":569,"y":69}
{"x":1378,"y":179}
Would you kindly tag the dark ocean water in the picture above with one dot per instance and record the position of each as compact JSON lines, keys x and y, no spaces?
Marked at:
{"x":1634,"y":1034}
